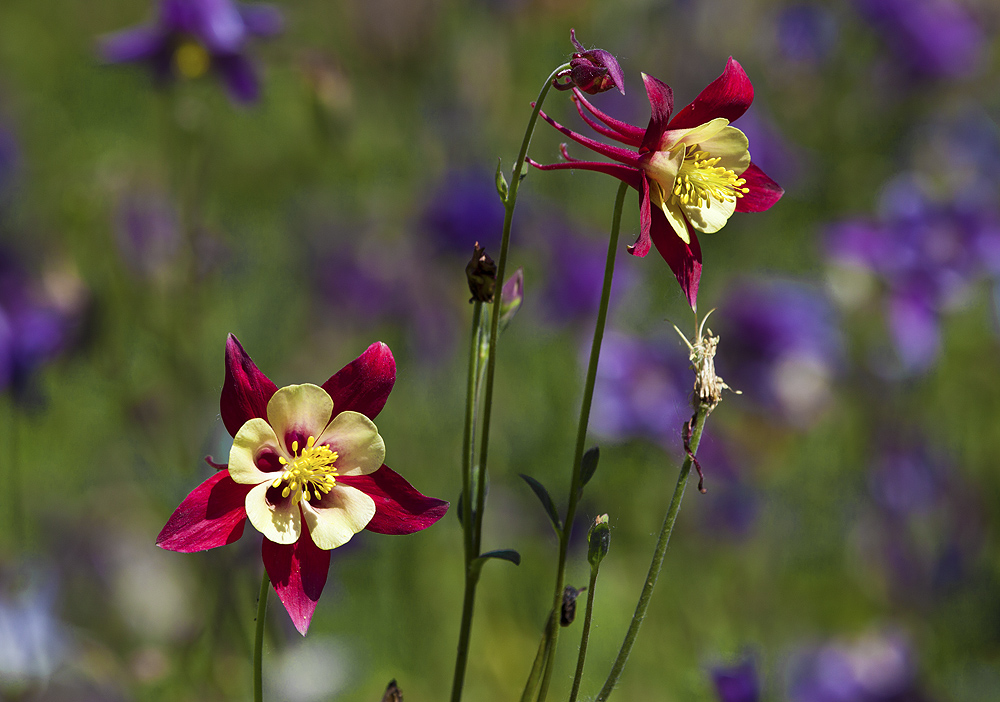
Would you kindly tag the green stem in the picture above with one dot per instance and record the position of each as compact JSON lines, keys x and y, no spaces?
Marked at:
{"x":536,"y":667}
{"x":473,"y":522}
{"x":471,"y":578}
{"x":657,"y":562}
{"x":258,"y":643}
{"x":575,"y":489}
{"x":585,"y":636}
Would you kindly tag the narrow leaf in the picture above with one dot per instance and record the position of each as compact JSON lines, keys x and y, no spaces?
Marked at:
{"x":504,"y":554}
{"x":589,"y":464}
{"x":546,"y":500}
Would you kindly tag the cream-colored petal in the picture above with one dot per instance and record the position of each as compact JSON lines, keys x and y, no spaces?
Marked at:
{"x":343,"y":513}
{"x":712,"y":216}
{"x":281,"y":524}
{"x":360,"y":449}
{"x":695,"y":135}
{"x":662,"y":167}
{"x":301,"y":408}
{"x":253,"y":437}
{"x":673,"y":213}
{"x":731,"y":146}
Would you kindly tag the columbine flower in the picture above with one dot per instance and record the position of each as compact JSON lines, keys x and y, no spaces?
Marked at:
{"x":193,"y":37}
{"x":592,"y":71}
{"x":692,"y":172}
{"x":306,"y":470}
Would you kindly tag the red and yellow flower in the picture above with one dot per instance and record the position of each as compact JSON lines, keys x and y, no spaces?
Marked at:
{"x":306,"y":468}
{"x":692,"y":172}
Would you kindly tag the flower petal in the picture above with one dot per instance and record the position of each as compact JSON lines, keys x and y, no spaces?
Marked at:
{"x":731,"y":147}
{"x":364,"y":384}
{"x":253,"y":437}
{"x":298,"y":573}
{"x":360,"y":449}
{"x":399,"y":508}
{"x":622,"y":155}
{"x":710,"y":217}
{"x":339,"y":515}
{"x":246,"y":390}
{"x":239,"y":75}
{"x":661,"y":104}
{"x":296,"y":412}
{"x":728,"y":96}
{"x":641,"y":246}
{"x":137,"y":44}
{"x":684,"y":259}
{"x":281,"y":523}
{"x":627,"y":174}
{"x":764,"y":192}
{"x":212,"y":515}
{"x":262,"y":20}
{"x":672,"y":211}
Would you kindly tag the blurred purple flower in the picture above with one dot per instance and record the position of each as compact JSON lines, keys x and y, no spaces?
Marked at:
{"x":906,"y":481}
{"x":642,"y":390}
{"x":806,"y":34}
{"x":934,"y":38}
{"x":33,"y":642}
{"x":737,"y":683}
{"x":34,"y":329}
{"x":927,"y":253}
{"x":464,"y":209}
{"x":731,"y":505}
{"x":780,"y":346}
{"x":875,"y":668}
{"x":192,"y":37}
{"x":147,"y":232}
{"x":574,"y":271}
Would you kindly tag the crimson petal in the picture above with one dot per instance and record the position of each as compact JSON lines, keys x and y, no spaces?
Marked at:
{"x":661,"y":104}
{"x":764,"y":192}
{"x":246,"y":390}
{"x":298,"y":573}
{"x":364,"y":384}
{"x":399,"y":508}
{"x":728,"y":96}
{"x":212,"y":515}
{"x":641,"y":246}
{"x":684,"y":259}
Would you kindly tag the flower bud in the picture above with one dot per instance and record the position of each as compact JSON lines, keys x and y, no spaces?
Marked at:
{"x":510,"y":297}
{"x":598,"y":540}
{"x":482,"y":275}
{"x":592,"y":71}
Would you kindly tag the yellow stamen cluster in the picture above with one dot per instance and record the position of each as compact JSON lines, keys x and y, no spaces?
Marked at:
{"x":311,"y":470}
{"x":700,"y":181}
{"x":191,"y":59}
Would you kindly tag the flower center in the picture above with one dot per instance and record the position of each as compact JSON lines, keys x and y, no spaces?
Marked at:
{"x":700,"y":180}
{"x":191,"y":59}
{"x":310,"y":473}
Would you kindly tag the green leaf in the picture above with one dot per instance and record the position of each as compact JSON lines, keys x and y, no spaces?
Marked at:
{"x":588,"y":466}
{"x":504,"y":554}
{"x":547,"y":503}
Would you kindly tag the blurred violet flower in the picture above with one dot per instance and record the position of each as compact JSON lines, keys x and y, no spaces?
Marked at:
{"x":192,"y":37}
{"x":35,"y":324}
{"x":642,"y":390}
{"x":575,"y":273}
{"x":33,"y":642}
{"x":926,"y":253}
{"x":781,"y":347}
{"x":737,"y":683}
{"x":806,"y":34}
{"x":731,"y":504}
{"x":147,"y":232}
{"x":876,"y":668}
{"x":464,"y":209}
{"x":934,"y":38}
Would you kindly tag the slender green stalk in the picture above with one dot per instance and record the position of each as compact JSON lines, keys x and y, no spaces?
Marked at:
{"x":575,"y":489}
{"x":471,"y":574}
{"x":509,"y":203}
{"x":585,"y":636}
{"x":538,"y":666}
{"x":657,"y":562}
{"x":472,"y":523}
{"x":258,"y":643}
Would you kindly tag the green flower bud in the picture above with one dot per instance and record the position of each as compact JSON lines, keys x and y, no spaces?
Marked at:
{"x":599,"y":541}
